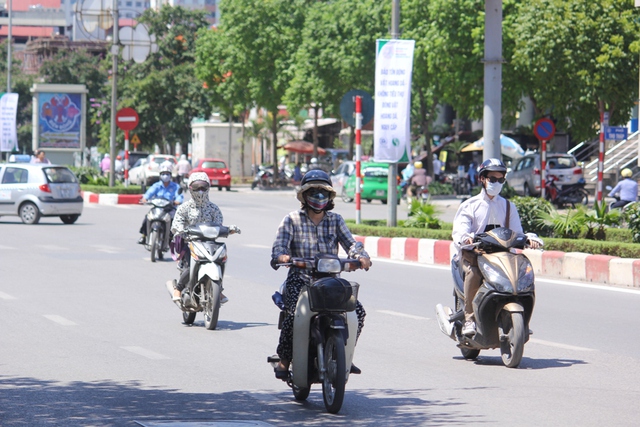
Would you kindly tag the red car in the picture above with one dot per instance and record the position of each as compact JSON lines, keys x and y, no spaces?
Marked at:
{"x":216,"y":170}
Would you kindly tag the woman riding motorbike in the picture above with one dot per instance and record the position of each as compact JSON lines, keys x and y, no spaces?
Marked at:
{"x":304,"y":233}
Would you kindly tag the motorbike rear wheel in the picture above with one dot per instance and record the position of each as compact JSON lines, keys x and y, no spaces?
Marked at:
{"x":345,"y":197}
{"x":188,"y":317}
{"x":335,"y":372}
{"x":469,"y":353}
{"x":211,"y":304}
{"x":511,"y":325}
{"x":153,"y":245}
{"x":160,"y":244}
{"x":300,"y":393}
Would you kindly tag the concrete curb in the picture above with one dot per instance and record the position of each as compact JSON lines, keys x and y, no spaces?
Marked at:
{"x":111,"y":199}
{"x":600,"y":269}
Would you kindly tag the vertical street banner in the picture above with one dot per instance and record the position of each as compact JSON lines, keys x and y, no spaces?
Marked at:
{"x":8,"y":125}
{"x":392,"y":114}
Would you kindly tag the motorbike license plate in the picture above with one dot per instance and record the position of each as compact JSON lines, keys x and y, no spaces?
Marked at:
{"x":214,"y":182}
{"x":380,"y":192}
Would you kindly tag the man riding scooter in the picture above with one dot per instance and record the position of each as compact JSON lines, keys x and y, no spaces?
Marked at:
{"x":627,"y":189}
{"x":479,"y":214}
{"x":164,"y":189}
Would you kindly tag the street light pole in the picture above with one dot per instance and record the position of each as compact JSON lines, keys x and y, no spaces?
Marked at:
{"x":9,"y":40}
{"x":115,"y":50}
{"x":392,"y":183}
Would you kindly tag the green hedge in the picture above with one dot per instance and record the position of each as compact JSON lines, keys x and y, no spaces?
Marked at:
{"x":618,"y":240}
{"x":118,"y":189}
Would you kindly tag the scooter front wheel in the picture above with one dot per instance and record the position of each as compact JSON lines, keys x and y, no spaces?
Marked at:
{"x":511,"y":330}
{"x":153,"y":245}
{"x":188,"y":317}
{"x":211,"y":304}
{"x":335,"y":376}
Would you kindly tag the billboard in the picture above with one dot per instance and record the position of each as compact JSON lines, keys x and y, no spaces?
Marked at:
{"x":60,"y":120}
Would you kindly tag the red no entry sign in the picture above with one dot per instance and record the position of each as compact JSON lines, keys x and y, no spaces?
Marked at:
{"x":544,"y":129}
{"x":127,"y":119}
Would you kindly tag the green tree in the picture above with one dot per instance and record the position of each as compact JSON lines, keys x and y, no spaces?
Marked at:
{"x":164,"y":89}
{"x":581,"y":60}
{"x":263,"y":36}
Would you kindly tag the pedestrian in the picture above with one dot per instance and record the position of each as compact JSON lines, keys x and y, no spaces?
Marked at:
{"x":184,"y":167}
{"x":437,"y":168}
{"x":38,"y":157}
{"x":473,"y":173}
{"x":105,"y":165}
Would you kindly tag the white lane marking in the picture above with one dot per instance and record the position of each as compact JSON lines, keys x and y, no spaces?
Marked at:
{"x":10,"y":248}
{"x":6,"y":296}
{"x":107,"y":249}
{"x":52,"y":247}
{"x":538,"y":279}
{"x":60,"y":320}
{"x":124,"y":206}
{"x":146,"y":353}
{"x":257,"y":246}
{"x":396,"y":313}
{"x":560,"y":345}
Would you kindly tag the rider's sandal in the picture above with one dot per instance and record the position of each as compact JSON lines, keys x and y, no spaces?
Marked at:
{"x":177,"y":296}
{"x":281,"y":374}
{"x":355,"y":370}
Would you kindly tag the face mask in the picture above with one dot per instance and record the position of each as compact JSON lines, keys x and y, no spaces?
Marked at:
{"x":201,"y":192}
{"x":318,"y":201}
{"x":165,"y":178}
{"x":493,"y":188}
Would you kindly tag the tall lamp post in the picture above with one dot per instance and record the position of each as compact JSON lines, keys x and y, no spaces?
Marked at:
{"x":392,"y":183}
{"x":115,"y":50}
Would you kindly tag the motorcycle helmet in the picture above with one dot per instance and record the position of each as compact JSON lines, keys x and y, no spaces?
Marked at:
{"x":626,"y":173}
{"x":417,"y":165}
{"x":491,"y":165}
{"x":316,"y":179}
{"x":166,"y":167}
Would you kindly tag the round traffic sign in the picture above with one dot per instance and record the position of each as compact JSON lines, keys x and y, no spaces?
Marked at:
{"x":348,"y":107}
{"x":127,"y":119}
{"x":544,"y":129}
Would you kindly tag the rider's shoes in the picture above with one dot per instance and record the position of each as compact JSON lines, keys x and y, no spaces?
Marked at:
{"x":355,"y":370}
{"x":223,"y":299}
{"x":142,"y":240}
{"x":177,"y":295}
{"x":469,"y":328}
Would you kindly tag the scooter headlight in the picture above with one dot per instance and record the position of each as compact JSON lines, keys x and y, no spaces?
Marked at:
{"x":496,"y":278}
{"x":525,"y":277}
{"x":329,"y":265}
{"x":198,"y":252}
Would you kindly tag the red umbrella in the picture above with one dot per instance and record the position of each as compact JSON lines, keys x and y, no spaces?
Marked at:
{"x":302,"y":147}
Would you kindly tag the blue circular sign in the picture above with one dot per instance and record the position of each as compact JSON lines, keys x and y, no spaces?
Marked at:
{"x":544,"y":129}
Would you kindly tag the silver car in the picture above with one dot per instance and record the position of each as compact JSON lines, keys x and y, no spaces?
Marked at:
{"x":32,"y":191}
{"x":525,"y":178}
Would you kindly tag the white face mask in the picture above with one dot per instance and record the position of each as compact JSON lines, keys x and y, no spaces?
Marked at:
{"x":493,"y":188}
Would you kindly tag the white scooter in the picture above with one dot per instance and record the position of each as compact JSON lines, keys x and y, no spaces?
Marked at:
{"x":324,"y":329}
{"x":206,"y":270}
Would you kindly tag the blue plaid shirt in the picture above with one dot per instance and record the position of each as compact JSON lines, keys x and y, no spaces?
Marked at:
{"x":299,"y":237}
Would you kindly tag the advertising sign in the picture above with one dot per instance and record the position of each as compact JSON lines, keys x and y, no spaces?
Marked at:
{"x":391,"y":130}
{"x":60,"y":117}
{"x":8,"y":126}
{"x":616,"y":133}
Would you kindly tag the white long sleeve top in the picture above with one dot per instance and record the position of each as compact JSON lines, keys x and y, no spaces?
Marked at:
{"x":476,"y":213}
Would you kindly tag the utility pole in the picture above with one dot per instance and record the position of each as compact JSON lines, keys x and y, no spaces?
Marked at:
{"x":392,"y":184}
{"x":492,"y":115}
{"x":9,"y":42}
{"x":115,"y":50}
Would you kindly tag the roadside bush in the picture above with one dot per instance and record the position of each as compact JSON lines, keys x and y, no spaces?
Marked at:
{"x":529,"y":209}
{"x":439,"y":188}
{"x":633,"y":218}
{"x":118,"y":189}
{"x":89,"y":175}
{"x":422,"y":215}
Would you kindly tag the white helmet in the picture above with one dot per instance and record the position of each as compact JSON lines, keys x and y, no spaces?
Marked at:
{"x":314,"y":161}
{"x":166,"y":167}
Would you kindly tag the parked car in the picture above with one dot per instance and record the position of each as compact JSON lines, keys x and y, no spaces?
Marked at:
{"x":525,"y":177}
{"x":374,"y":183}
{"x":339,"y":176}
{"x":32,"y":191}
{"x":134,"y":156}
{"x":150,"y":171}
{"x":135,"y":172}
{"x":216,"y":170}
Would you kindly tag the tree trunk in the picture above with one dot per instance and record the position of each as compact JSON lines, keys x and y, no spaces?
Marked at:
{"x":274,"y":144}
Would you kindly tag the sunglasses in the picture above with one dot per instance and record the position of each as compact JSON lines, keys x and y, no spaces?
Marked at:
{"x":316,"y":193}
{"x":493,"y":179}
{"x":198,"y":186}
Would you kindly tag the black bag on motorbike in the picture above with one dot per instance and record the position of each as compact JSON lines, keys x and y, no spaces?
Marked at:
{"x":333,"y":294}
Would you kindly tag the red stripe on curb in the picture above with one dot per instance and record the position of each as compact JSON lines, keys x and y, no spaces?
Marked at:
{"x":636,"y":273}
{"x":411,"y":249}
{"x":442,"y":252}
{"x":360,"y":239}
{"x":384,"y":247}
{"x":94,"y":198}
{"x":552,"y":263}
{"x":597,"y":268}
{"x":129,"y":199}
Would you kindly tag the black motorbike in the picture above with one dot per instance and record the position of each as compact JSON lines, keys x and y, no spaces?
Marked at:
{"x":159,"y":227}
{"x":571,"y":194}
{"x":265,"y":180}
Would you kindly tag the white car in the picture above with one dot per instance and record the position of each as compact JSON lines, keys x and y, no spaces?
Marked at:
{"x":149,"y":171}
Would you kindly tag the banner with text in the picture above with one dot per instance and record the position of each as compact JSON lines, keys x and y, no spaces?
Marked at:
{"x":392,"y":116}
{"x":8,"y":125}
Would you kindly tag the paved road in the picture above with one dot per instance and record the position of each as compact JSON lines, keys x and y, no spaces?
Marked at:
{"x":90,"y":338}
